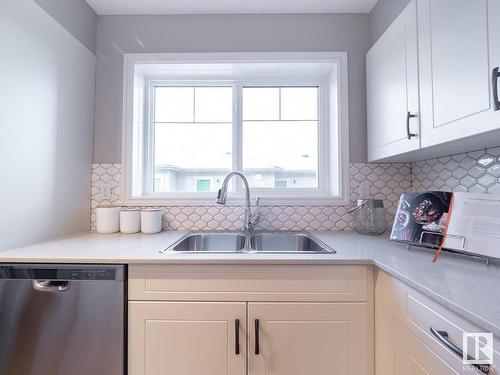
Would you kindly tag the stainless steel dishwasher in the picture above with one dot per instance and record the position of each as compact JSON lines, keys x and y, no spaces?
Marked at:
{"x":62,"y":319}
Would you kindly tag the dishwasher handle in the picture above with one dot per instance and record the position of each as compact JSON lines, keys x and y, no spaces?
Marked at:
{"x":51,"y":286}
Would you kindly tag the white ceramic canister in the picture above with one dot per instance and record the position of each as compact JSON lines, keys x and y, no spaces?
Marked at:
{"x":107,"y":219}
{"x":130,"y":220}
{"x":151,"y":220}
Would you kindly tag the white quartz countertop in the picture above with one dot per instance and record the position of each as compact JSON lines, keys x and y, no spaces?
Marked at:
{"x":469,"y":287}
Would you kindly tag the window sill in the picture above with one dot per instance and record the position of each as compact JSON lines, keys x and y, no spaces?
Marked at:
{"x":237,"y":201}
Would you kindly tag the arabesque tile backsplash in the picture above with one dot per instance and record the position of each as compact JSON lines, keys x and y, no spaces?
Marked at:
{"x":388,"y":181}
{"x":477,"y":171}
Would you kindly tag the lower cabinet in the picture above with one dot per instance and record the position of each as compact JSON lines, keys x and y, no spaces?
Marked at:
{"x":210,"y":338}
{"x":187,"y":338}
{"x":250,"y":320}
{"x":413,"y":357}
{"x":413,"y":334}
{"x":307,"y":338}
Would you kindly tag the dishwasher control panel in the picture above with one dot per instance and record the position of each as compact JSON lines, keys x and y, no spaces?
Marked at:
{"x":86,"y":274}
{"x":62,"y":272}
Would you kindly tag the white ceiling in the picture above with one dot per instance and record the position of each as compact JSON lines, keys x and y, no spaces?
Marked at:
{"x":230,"y":6}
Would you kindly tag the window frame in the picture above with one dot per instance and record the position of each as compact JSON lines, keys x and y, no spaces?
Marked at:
{"x":287,"y":196}
{"x":148,"y":147}
{"x":323,"y":108}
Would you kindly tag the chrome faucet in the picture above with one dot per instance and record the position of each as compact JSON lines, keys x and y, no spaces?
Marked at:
{"x":252,"y":217}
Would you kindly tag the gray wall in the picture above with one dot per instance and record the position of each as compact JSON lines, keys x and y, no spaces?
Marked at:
{"x":382,"y":15}
{"x":76,"y":16}
{"x":47,"y":104}
{"x":223,"y":33}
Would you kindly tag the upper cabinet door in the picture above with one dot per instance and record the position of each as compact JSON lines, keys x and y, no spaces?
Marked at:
{"x":392,"y":89}
{"x":459,"y":48}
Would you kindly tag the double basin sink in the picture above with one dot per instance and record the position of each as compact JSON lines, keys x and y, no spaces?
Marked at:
{"x":267,"y":242}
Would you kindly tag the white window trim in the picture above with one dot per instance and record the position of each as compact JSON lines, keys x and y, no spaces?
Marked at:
{"x":338,"y":155}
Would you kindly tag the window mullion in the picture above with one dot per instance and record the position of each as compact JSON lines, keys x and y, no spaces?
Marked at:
{"x":279,"y":103}
{"x":194,"y":104}
{"x":238,"y":133}
{"x":149,"y":141}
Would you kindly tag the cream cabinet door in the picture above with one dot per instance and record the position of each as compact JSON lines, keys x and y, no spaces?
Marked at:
{"x":392,"y":89}
{"x":309,"y":339}
{"x":459,"y":48}
{"x":187,"y":338}
{"x":413,"y":357}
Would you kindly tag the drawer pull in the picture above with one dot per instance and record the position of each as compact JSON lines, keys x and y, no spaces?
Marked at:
{"x":257,"y":348}
{"x":442,"y":337}
{"x":237,"y":337}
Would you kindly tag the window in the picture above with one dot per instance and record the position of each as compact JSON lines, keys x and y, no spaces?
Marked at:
{"x":280,"y":136}
{"x":192,"y":137}
{"x":188,"y":124}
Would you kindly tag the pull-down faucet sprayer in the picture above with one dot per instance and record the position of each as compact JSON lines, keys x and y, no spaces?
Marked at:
{"x":251,"y":216}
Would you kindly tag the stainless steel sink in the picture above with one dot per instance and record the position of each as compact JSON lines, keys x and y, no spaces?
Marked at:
{"x":264,"y":242}
{"x":287,"y":243}
{"x":210,"y":242}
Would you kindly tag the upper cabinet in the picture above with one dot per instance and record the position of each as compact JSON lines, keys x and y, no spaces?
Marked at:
{"x":456,"y":61}
{"x":459,"y":46}
{"x":392,"y":89}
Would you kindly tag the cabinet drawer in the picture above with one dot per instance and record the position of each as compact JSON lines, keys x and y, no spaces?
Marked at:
{"x":397,"y":304}
{"x":424,"y":314}
{"x":249,"y":283}
{"x":412,"y":356}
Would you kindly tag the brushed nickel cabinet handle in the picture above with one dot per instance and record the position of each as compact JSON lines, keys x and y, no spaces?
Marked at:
{"x":442,"y":337}
{"x":494,"y":83}
{"x":408,"y":117}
